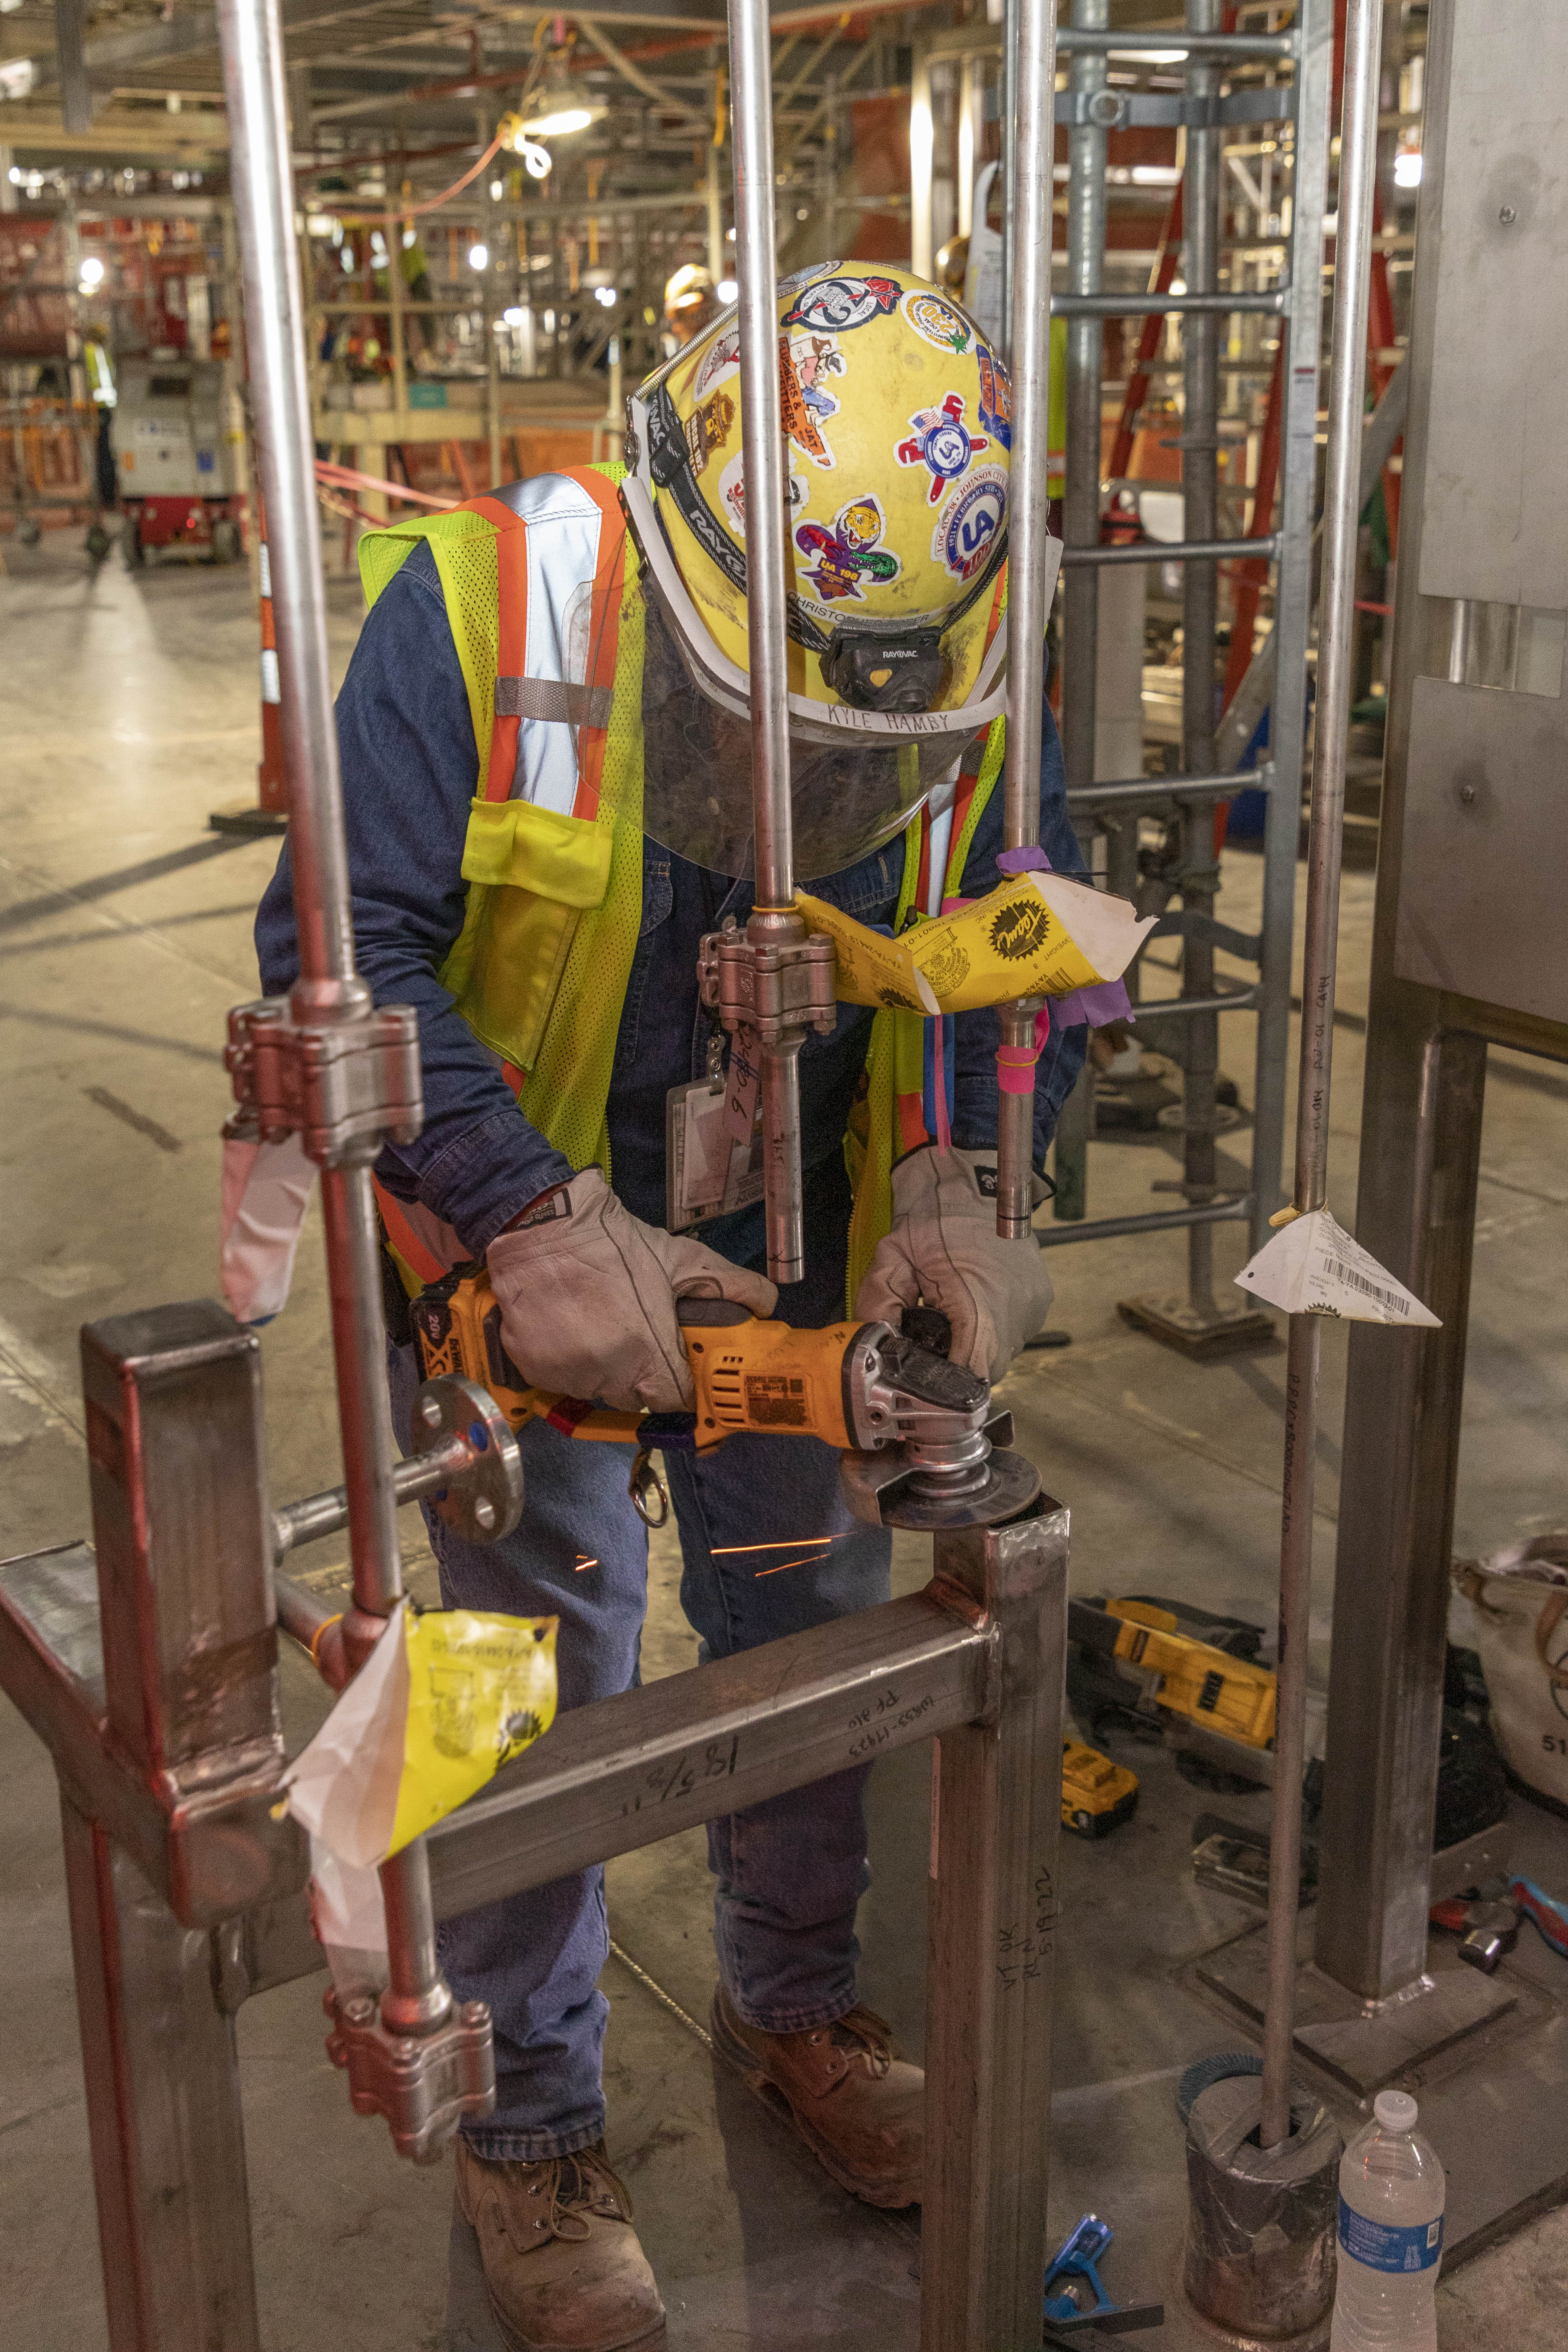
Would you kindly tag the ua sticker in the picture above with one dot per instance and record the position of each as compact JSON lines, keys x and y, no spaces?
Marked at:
{"x":995,"y":397}
{"x":938,"y":322}
{"x":833,"y":305}
{"x":708,"y":428}
{"x":967,"y":526}
{"x":720,"y":360}
{"x":849,"y":553}
{"x":803,"y":407}
{"x":733,"y":491}
{"x":941,"y":442}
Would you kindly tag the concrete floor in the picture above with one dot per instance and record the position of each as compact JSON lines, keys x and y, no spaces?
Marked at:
{"x":129,"y":711}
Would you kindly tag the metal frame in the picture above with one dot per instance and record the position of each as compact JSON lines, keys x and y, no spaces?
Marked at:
{"x":1298,"y":302}
{"x":186,"y":1895}
{"x":1427,"y":1043}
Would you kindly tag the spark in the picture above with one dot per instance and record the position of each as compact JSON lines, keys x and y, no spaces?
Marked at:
{"x":806,"y":1560}
{"x":718,"y":1551}
{"x":582,"y":1563}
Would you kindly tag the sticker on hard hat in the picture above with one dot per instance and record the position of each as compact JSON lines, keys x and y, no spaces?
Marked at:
{"x":941,"y":442}
{"x":937,"y":322}
{"x":804,"y":362}
{"x":721,"y":360}
{"x":733,"y":490}
{"x":799,"y":277}
{"x":995,"y":396}
{"x":708,"y":428}
{"x":847,"y":553}
{"x":968,"y":524}
{"x":833,"y":305}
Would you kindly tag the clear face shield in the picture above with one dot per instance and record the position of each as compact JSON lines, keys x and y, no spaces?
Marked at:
{"x":850,"y":795}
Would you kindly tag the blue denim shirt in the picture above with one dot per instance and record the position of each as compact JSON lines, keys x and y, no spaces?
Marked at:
{"x":409,"y":760}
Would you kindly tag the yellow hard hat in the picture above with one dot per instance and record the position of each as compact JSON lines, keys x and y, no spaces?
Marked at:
{"x":898,"y":431}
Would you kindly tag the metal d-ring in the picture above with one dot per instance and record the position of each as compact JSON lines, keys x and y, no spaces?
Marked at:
{"x":644,"y":1485}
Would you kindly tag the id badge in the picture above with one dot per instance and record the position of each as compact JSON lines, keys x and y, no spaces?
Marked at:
{"x":709,"y":1171}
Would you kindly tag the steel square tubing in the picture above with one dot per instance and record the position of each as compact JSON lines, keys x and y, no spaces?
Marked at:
{"x":626,"y":1771}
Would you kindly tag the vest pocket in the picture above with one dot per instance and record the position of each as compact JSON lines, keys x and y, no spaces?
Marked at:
{"x":538,"y":873}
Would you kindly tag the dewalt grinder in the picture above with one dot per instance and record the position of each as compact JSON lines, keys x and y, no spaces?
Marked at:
{"x":920,"y":1445}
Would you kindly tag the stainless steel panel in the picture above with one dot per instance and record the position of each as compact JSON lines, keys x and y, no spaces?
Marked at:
{"x":1495,"y":490}
{"x":1485,"y":847}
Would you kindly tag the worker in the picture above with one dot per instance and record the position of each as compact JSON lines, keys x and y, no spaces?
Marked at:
{"x":546,"y":769}
{"x":691,"y":302}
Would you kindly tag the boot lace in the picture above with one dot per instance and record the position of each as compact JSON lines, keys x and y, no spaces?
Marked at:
{"x":579,"y":2185}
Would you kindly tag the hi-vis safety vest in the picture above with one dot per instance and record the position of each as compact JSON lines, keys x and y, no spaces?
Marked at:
{"x":546,"y":613}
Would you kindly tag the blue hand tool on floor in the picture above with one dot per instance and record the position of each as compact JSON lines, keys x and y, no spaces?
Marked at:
{"x":1075,"y":2297}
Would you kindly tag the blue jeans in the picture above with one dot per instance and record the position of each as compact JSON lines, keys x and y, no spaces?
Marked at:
{"x":789,"y":1873}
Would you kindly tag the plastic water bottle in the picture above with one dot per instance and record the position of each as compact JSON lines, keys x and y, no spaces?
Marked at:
{"x":1390,"y":2235}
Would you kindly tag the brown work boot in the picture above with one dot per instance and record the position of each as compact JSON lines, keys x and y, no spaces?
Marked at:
{"x":561,"y":2261}
{"x":858,"y":2107}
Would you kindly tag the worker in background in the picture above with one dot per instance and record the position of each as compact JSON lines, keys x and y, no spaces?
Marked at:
{"x":691,"y":302}
{"x":546,"y":767}
{"x":100,"y":377}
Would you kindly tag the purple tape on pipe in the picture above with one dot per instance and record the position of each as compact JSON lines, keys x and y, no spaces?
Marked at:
{"x":1107,"y":1000}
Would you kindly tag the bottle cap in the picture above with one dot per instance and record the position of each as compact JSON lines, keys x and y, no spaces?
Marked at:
{"x":1395,"y":2111}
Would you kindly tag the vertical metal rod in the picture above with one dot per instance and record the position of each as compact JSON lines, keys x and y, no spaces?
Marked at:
{"x":1028,"y":292}
{"x":491,"y":219}
{"x":328,"y":987}
{"x":1200,"y":593}
{"x":1293,"y":598}
{"x":716,"y":269}
{"x":1341,"y":506}
{"x":922,"y":141}
{"x":1006,"y":125}
{"x":774,"y":921}
{"x":970,"y":117}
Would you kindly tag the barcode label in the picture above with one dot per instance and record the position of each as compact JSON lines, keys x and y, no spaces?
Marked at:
{"x":1341,"y":1272}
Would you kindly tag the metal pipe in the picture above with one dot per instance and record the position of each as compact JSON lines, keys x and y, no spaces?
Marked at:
{"x":1158,"y":1220}
{"x":328,"y":987}
{"x":922,"y":132}
{"x":1179,"y":550}
{"x":315,"y":1516}
{"x":301,"y":1616}
{"x":1007,"y":127}
{"x":1270,"y":301}
{"x":1154,"y":789}
{"x":1200,"y":613}
{"x":1342,"y":504}
{"x":774,"y":921}
{"x":1029,"y":297}
{"x":1134,"y":43}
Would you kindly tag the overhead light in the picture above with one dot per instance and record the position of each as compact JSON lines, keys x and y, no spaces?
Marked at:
{"x":91,"y":273}
{"x":498,"y":191}
{"x":606,"y":295}
{"x":727,"y":290}
{"x":1407,"y":168}
{"x":536,"y":160}
{"x":479,"y":256}
{"x":514,"y":317}
{"x":560,"y":110}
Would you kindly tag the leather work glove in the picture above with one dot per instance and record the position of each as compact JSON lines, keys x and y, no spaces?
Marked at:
{"x":587,"y":1294}
{"x":944,"y":1249}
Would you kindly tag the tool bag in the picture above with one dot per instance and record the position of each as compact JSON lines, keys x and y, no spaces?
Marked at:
{"x":1517,"y":1621}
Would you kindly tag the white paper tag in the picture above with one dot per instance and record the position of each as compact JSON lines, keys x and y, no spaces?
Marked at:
{"x":343,"y":1786}
{"x":1312,"y":1266}
{"x":267,"y":1191}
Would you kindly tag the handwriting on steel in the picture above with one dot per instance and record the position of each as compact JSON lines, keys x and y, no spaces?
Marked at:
{"x":876,"y":1722}
{"x":691,"y":1768}
{"x":1023,"y":1947}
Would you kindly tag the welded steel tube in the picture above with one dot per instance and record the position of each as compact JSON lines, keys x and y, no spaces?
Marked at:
{"x":328,"y":989}
{"x":1271,"y":300}
{"x":1165,"y":37}
{"x":1341,"y":506}
{"x":315,"y":1516}
{"x":1030,"y":297}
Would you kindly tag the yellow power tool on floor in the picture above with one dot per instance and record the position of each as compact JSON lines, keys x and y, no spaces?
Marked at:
{"x":922,"y":1446}
{"x":1226,"y":1697}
